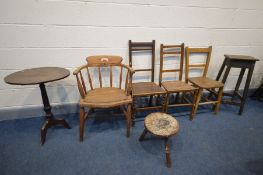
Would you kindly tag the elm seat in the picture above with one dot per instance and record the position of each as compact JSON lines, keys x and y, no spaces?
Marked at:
{"x":205,"y":83}
{"x":106,"y":97}
{"x":161,"y":125}
{"x":146,"y":88}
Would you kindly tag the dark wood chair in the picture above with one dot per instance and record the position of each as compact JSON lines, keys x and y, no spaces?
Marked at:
{"x":109,"y":86}
{"x":203,"y":83}
{"x":176,"y":52}
{"x":142,"y":89}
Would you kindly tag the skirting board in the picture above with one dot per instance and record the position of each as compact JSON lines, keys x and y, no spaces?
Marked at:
{"x":37,"y":111}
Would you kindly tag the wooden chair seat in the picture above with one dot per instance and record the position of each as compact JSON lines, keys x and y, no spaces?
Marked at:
{"x":106,"y":97}
{"x":146,"y":88}
{"x":205,"y":83}
{"x":177,"y":86}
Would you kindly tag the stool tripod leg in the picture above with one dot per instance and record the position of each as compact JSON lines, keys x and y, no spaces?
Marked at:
{"x":143,"y":135}
{"x":167,"y":152}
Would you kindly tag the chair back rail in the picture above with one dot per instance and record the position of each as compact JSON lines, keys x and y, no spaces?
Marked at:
{"x":171,"y":50}
{"x":188,"y":53}
{"x":88,"y":80}
{"x":142,"y":47}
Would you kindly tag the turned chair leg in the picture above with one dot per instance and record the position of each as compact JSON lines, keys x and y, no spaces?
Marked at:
{"x":219,"y":98}
{"x":128,"y":120}
{"x":197,"y":101}
{"x":81,"y":123}
{"x":165,"y":102}
{"x":167,"y":152}
{"x":143,"y":135}
{"x":192,"y":114}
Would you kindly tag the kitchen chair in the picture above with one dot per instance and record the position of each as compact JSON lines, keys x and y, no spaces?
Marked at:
{"x":176,"y":52}
{"x":203,"y":83}
{"x":144,"y":89}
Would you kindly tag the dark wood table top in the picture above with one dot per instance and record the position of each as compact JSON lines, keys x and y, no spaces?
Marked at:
{"x":241,"y":57}
{"x":37,"y":75}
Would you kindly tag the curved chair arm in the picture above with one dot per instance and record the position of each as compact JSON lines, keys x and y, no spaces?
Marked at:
{"x":78,"y":69}
{"x":80,"y":81}
{"x":128,"y":89}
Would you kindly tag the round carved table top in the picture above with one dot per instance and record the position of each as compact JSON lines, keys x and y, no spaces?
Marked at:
{"x":37,"y":75}
{"x":161,"y":124}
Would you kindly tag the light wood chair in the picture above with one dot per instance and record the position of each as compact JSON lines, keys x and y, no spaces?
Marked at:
{"x":203,"y":83}
{"x":112,"y":91}
{"x":178,"y":86}
{"x":144,"y":89}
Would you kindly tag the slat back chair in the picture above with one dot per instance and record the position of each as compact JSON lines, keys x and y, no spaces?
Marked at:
{"x":143,"y":47}
{"x":203,"y":82}
{"x":176,"y":52}
{"x":203,"y":66}
{"x":113,"y":92}
{"x":171,"y":51}
{"x":140,"y":89}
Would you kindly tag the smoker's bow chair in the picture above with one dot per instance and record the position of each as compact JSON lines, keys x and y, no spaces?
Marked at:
{"x":113,"y":80}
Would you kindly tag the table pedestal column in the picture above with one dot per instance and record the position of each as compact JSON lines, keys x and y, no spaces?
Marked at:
{"x":50,"y":119}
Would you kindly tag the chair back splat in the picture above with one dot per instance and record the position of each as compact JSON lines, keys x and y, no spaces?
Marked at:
{"x":189,"y":52}
{"x":106,"y":71}
{"x":143,"y":47}
{"x":171,"y":51}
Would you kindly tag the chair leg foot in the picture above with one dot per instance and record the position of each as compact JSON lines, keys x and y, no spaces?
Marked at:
{"x":81,"y":123}
{"x":128,"y":118}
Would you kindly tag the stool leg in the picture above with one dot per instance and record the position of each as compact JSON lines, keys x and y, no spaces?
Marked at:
{"x":249,"y":76}
{"x":143,"y":135}
{"x":221,"y":70}
{"x":226,"y":74}
{"x":219,"y":75}
{"x":167,"y":152}
{"x":240,"y":77}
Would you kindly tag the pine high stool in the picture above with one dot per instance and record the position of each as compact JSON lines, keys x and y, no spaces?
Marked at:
{"x":237,"y":61}
{"x":161,"y":125}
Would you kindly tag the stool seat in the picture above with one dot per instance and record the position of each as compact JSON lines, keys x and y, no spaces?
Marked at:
{"x":161,"y":124}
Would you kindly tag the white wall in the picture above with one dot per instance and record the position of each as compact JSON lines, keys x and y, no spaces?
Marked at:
{"x":62,"y":33}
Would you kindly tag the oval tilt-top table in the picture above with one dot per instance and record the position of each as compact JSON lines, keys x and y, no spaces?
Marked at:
{"x":41,"y":76}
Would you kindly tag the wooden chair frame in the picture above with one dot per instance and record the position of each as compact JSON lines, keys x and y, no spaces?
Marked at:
{"x":98,"y":62}
{"x":203,"y":83}
{"x":154,"y":89}
{"x":178,"y":86}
